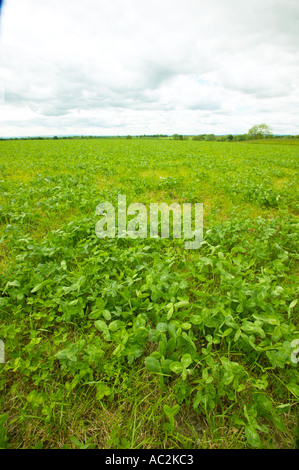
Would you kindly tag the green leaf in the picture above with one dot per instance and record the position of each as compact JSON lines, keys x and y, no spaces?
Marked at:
{"x":237,"y":335}
{"x":167,"y":410}
{"x":153,"y":365}
{"x":100,"y":325}
{"x":37,"y":287}
{"x":227,"y":332}
{"x":171,"y":345}
{"x":162,"y":347}
{"x":161,"y":327}
{"x":165,"y":366}
{"x":107,"y":315}
{"x":238,"y":249}
{"x":14,"y":283}
{"x":61,"y":355}
{"x":206,"y":261}
{"x":228,"y":377}
{"x":264,"y":402}
{"x":186,"y":360}
{"x":102,"y":391}
{"x":182,"y":303}
{"x":171,"y":329}
{"x":252,"y":436}
{"x":170,"y":310}
{"x":271,"y":319}
{"x":196,"y":319}
{"x":115,"y":325}
{"x":170,"y":412}
{"x":176,"y":367}
{"x":186,"y":326}
{"x":250,"y":327}
{"x":154,"y":336}
{"x":72,"y":357}
{"x":293,"y":303}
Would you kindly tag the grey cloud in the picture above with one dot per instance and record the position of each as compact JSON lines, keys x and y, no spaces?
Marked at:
{"x":147,"y":61}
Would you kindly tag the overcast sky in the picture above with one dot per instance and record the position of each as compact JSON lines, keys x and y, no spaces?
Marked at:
{"x":117,"y":67}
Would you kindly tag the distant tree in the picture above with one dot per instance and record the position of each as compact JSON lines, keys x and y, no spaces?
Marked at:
{"x":177,"y":137}
{"x":199,"y":137}
{"x":259,"y":131}
{"x":229,"y":137}
{"x":242,"y":137}
{"x":210,"y":137}
{"x":128,"y":137}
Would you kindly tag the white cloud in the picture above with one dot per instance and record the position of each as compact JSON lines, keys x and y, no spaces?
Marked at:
{"x":140,"y":66}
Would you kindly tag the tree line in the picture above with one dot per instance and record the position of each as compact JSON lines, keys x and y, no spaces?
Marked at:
{"x":259,"y":131}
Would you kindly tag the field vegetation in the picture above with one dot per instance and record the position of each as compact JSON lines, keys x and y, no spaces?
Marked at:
{"x":122,"y":343}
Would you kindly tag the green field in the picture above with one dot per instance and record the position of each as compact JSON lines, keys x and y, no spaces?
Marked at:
{"x":122,"y":343}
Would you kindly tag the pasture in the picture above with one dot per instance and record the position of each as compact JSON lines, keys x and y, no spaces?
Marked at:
{"x":141,"y":343}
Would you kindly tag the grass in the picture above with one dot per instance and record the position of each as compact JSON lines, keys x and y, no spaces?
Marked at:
{"x":141,"y":343}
